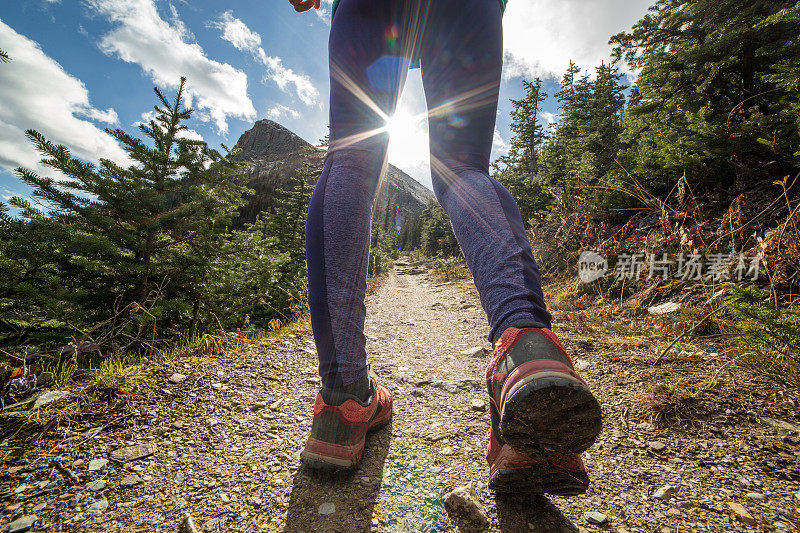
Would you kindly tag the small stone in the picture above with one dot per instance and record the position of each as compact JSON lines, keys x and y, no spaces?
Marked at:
{"x":665,"y":493}
{"x":594,"y":517}
{"x":130,"y":481}
{"x":475,"y":351}
{"x":673,"y":512}
{"x":326,"y":509}
{"x":447,"y":450}
{"x":22,"y":524}
{"x":742,"y":513}
{"x":132,"y":453}
{"x":97,"y":508}
{"x":375,"y":522}
{"x":95,"y":465}
{"x":95,"y":486}
{"x":755,"y":496}
{"x":657,"y":446}
{"x":663,"y":309}
{"x":478,"y":405}
{"x":44,"y":378}
{"x":177,"y":378}
{"x":463,"y":506}
{"x":48,"y":397}
{"x":178,"y":424}
{"x":580,"y":364}
{"x":39,"y":507}
{"x":257,"y":406}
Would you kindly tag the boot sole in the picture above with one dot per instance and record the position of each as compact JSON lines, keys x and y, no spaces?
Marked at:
{"x":550,"y":414}
{"x":539,"y":480}
{"x":338,"y":465}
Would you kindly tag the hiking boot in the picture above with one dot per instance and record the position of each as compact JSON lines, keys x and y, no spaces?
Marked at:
{"x":511,"y":471}
{"x":544,"y":407}
{"x":341,"y":423}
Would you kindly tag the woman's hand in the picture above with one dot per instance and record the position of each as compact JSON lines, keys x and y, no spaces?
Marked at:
{"x":304,"y":5}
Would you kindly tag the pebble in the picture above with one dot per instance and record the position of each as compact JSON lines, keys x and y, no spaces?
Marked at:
{"x":665,"y":493}
{"x":177,"y":378}
{"x":95,"y":486}
{"x":478,"y":405}
{"x":657,"y":446}
{"x":594,"y":517}
{"x":48,"y":397}
{"x":130,"y":481}
{"x":326,"y":509}
{"x":96,"y":465}
{"x":742,"y":513}
{"x":22,"y":524}
{"x":132,"y":453}
{"x":447,"y":450}
{"x":475,"y":351}
{"x":97,"y":508}
{"x":755,"y":496}
{"x":463,"y":505}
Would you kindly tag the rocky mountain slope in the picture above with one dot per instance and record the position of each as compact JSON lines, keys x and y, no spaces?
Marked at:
{"x":274,"y":153}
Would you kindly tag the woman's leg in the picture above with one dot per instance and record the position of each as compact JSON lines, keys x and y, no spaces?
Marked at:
{"x":462,"y":60}
{"x":368,"y":70}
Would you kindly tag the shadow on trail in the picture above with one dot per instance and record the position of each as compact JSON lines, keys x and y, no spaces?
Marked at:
{"x":347,"y":500}
{"x":517,"y":514}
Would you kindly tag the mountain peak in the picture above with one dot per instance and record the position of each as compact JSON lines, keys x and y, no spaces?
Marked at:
{"x":268,"y":141}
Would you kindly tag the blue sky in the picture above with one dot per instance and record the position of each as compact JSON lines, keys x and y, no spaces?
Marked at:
{"x":81,"y":66}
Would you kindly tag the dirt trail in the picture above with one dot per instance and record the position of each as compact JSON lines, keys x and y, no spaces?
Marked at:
{"x":227,"y":440}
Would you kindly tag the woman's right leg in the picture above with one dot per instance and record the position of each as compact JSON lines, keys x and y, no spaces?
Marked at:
{"x":542,"y":413}
{"x":462,"y":61}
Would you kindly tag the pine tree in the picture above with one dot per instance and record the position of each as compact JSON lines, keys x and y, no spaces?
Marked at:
{"x":517,"y":170}
{"x":715,"y":90}
{"x":108,"y":236}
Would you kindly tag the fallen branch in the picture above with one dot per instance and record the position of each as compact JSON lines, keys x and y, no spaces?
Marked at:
{"x":689,"y":331}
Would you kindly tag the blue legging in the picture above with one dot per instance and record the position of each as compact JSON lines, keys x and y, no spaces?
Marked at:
{"x":459,"y":46}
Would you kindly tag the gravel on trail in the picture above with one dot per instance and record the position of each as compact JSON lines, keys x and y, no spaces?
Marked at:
{"x":218,"y":446}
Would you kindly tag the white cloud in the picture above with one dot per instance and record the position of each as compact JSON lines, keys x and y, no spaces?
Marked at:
{"x":277,"y":111}
{"x":36,"y":93}
{"x":237,"y":33}
{"x":190,"y":134}
{"x":109,"y":116}
{"x":164,"y":51}
{"x":324,"y":11}
{"x":243,"y":38}
{"x":541,"y":36}
{"x":499,"y":146}
{"x":146,"y":117}
{"x":549,"y":117}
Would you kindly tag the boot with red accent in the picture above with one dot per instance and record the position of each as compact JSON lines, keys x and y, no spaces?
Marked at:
{"x":341,"y":423}
{"x":510,"y":471}
{"x":544,"y":407}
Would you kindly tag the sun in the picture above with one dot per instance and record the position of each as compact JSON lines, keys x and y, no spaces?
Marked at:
{"x":408,"y":138}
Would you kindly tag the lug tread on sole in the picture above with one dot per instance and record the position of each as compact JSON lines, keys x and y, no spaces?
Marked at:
{"x":551,"y":416}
